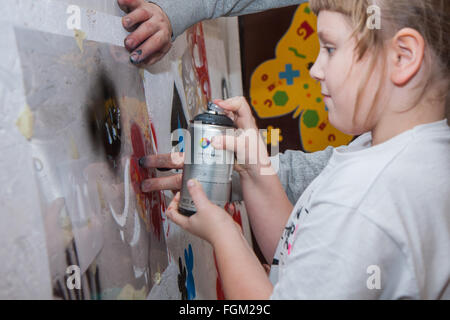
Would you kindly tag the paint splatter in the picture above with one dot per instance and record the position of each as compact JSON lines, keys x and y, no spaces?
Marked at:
{"x":79,"y":37}
{"x":190,"y":284}
{"x":182,"y":280}
{"x":74,"y":149}
{"x":130,"y":293}
{"x":149,"y":207}
{"x":25,"y":123}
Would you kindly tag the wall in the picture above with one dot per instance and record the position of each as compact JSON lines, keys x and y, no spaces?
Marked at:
{"x":76,"y":118}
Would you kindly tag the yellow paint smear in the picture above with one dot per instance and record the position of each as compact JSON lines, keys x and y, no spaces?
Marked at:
{"x":142,"y":73}
{"x":129,"y":293}
{"x":79,"y":37}
{"x":74,"y":149}
{"x":25,"y":123}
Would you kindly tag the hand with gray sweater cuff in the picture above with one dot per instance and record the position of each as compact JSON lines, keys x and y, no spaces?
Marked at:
{"x":155,"y":24}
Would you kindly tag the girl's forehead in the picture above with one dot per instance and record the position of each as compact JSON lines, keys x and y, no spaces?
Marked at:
{"x":332,"y":24}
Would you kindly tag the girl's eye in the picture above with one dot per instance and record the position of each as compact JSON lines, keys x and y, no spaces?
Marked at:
{"x":330,"y":50}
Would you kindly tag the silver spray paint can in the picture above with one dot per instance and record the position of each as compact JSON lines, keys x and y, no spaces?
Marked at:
{"x":211,"y":167}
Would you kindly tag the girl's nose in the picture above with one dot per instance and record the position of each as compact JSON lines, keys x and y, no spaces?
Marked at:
{"x":316,"y":71}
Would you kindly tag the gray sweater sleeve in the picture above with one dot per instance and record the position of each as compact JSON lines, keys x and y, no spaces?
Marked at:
{"x":296,"y":171}
{"x":185,"y":13}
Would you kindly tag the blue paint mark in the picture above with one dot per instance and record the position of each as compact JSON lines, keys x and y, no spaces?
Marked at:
{"x":190,"y":284}
{"x":289,"y":74}
{"x":180,"y":135}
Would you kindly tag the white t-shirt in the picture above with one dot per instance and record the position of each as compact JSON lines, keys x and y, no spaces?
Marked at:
{"x":375,"y":224}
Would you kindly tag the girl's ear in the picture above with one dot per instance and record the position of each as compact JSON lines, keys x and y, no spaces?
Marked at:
{"x":406,"y":55}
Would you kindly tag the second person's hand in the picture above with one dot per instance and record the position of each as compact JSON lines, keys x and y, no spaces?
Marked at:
{"x":163,"y":161}
{"x":151,"y":31}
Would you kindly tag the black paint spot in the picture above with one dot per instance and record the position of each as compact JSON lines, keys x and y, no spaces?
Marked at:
{"x":225,"y":91}
{"x":310,"y":65}
{"x":182,"y":280}
{"x":104,"y":119}
{"x":178,"y":120}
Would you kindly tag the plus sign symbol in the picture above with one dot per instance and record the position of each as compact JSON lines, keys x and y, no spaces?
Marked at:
{"x":289,"y":74}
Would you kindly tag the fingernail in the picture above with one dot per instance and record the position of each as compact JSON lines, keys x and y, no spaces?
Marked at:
{"x":129,"y":43}
{"x":134,"y":58}
{"x":127,"y":22}
{"x":191,"y":183}
{"x":142,"y":162}
{"x":144,"y":187}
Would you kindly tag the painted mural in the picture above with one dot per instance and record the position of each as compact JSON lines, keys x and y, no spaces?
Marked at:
{"x":80,"y":120}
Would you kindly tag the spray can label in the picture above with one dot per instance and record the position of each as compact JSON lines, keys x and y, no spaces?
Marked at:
{"x":211,"y":167}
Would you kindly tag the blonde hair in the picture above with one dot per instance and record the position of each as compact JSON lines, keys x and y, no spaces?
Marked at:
{"x":431,"y":18}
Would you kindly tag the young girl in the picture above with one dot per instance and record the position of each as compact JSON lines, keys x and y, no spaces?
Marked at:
{"x":375,"y":224}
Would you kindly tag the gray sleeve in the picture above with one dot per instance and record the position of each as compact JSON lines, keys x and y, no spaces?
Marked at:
{"x":296,"y":171}
{"x":185,"y":13}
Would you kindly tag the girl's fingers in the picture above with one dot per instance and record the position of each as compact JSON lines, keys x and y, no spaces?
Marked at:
{"x":173,"y":214}
{"x":199,"y":197}
{"x":243,"y":116}
{"x":238,"y":105}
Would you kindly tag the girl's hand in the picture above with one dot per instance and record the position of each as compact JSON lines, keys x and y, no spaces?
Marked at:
{"x":209,"y":223}
{"x":251,"y":151}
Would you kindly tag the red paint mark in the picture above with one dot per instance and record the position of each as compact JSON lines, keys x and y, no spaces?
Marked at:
{"x":236,"y":214}
{"x":332,"y":138}
{"x":168,"y":229}
{"x":310,"y":142}
{"x":137,"y":142}
{"x":265,"y":77}
{"x":136,"y":178}
{"x":196,"y":39}
{"x":154,"y":135}
{"x":268,"y":103}
{"x":156,"y":217}
{"x":271,"y":87}
{"x":149,"y":204}
{"x":255,"y":102}
{"x":309,"y":95}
